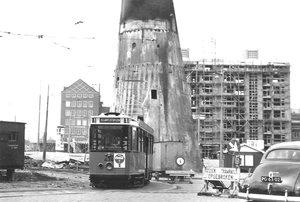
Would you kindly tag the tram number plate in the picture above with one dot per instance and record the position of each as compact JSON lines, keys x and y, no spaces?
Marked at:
{"x":271,"y":179}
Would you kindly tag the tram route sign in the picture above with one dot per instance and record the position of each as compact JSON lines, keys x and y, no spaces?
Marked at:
{"x":119,"y":160}
{"x":221,"y":174}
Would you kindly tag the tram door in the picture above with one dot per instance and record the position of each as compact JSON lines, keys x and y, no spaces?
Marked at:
{"x":146,"y":147}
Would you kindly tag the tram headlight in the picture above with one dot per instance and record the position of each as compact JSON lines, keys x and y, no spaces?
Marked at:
{"x":100,"y":165}
{"x":109,"y":166}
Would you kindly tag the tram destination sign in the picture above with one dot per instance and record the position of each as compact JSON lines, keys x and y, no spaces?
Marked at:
{"x":110,"y":120}
{"x":221,"y":174}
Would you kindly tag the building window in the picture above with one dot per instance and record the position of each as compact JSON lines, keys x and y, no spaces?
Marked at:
{"x":84,"y":112}
{"x":90,"y":112}
{"x":68,"y":112}
{"x":78,"y":112}
{"x":207,"y":101}
{"x":91,"y":104}
{"x":85,"y":95}
{"x":73,"y":104}
{"x":276,"y":90}
{"x":228,"y":113}
{"x":68,"y":95}
{"x":73,"y":122}
{"x":68,"y":103}
{"x":296,"y":134}
{"x":283,"y":114}
{"x":73,"y":95}
{"x":79,"y":103}
{"x":84,"y":103}
{"x":207,"y":89}
{"x":207,"y":77}
{"x":73,"y":113}
{"x":72,"y":130}
{"x":153,"y":94}
{"x":67,"y":122}
{"x":193,"y":102}
{"x":228,"y":125}
{"x":91,"y":95}
{"x":78,"y":122}
{"x":78,"y":131}
{"x":13,"y":136}
{"x":79,"y":95}
{"x":84,"y":122}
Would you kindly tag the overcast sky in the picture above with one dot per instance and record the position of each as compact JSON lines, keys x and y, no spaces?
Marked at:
{"x":69,"y":51}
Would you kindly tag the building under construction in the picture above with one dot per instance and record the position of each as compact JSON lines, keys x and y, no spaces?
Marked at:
{"x":248,"y":101}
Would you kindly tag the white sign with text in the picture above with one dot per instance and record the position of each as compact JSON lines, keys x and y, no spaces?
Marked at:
{"x":221,"y":174}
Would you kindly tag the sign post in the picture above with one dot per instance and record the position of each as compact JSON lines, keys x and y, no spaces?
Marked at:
{"x":215,"y":178}
{"x":199,"y":117}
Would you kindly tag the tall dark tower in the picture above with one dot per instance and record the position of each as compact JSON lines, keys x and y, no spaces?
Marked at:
{"x":149,"y":78}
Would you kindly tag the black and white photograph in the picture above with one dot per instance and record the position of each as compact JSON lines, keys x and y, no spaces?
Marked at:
{"x":149,"y":100}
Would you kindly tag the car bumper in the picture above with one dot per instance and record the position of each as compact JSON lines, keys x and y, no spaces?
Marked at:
{"x":264,"y":197}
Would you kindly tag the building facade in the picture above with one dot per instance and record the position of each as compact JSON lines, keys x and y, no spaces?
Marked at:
{"x":243,"y":101}
{"x":79,"y":102}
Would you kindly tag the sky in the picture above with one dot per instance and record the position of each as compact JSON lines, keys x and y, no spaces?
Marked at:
{"x":80,"y":41}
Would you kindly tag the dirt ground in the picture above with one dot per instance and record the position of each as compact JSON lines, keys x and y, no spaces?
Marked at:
{"x":47,"y":178}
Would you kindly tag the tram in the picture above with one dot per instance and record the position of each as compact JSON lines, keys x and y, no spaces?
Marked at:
{"x":121,"y":151}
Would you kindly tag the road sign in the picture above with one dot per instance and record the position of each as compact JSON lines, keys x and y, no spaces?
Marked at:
{"x":233,"y":146}
{"x":221,"y":174}
{"x":199,"y":116}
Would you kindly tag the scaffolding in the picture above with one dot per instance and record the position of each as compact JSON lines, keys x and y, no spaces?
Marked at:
{"x":240,"y":101}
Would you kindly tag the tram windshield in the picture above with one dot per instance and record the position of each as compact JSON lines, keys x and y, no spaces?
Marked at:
{"x":109,"y":137}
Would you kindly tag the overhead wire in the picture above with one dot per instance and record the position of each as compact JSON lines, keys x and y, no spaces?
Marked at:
{"x":41,"y":36}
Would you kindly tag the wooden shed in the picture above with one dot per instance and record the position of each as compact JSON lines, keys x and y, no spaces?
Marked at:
{"x":12,"y":136}
{"x":250,"y":158}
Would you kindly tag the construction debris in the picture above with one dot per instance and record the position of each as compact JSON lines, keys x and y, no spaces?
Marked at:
{"x":63,"y":161}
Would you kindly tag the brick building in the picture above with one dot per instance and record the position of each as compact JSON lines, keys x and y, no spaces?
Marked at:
{"x":79,"y":102}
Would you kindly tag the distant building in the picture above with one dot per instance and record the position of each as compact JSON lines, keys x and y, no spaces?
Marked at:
{"x":251,"y":54}
{"x":295,"y":125}
{"x":185,"y":52}
{"x":79,"y":102}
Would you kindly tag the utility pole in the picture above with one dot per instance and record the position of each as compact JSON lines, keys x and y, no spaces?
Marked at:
{"x":45,"y":133}
{"x":69,"y":135}
{"x":38,"y":137}
{"x":220,"y":75}
{"x":221,"y":122}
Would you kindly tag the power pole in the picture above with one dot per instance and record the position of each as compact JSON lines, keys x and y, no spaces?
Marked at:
{"x":45,"y":133}
{"x":38,"y":137}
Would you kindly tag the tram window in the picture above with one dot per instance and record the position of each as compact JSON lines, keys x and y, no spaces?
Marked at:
{"x":134,"y":139}
{"x":129,"y":145}
{"x":109,"y":137}
{"x":124,"y":143}
{"x":141,"y":140}
{"x":150,"y":144}
{"x":146,"y":146}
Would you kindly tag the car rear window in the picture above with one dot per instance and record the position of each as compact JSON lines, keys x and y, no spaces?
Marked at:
{"x":284,"y":154}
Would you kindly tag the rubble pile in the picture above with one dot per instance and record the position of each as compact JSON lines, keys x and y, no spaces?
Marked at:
{"x":57,"y":161}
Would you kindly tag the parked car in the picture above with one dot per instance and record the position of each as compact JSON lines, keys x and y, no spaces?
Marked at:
{"x":277,"y":177}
